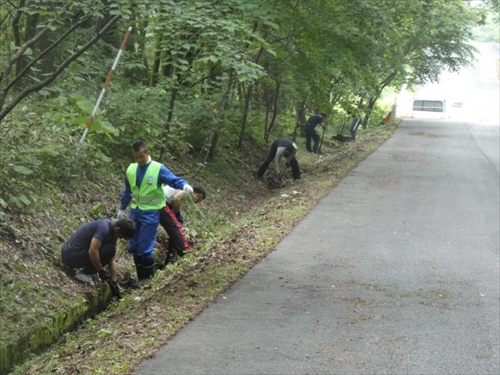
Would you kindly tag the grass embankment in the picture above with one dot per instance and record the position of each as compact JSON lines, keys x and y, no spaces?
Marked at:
{"x":238,"y":225}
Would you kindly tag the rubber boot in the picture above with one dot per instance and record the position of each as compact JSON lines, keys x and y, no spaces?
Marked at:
{"x":147,"y":268}
{"x":138,"y":269}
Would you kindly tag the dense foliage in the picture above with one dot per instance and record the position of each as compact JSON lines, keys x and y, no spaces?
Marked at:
{"x":201,"y":78}
{"x":200,"y":75}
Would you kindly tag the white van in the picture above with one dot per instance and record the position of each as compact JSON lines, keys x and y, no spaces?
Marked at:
{"x":429,"y":108}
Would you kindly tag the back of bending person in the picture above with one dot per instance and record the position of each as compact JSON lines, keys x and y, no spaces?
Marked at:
{"x":93,"y":247}
{"x":171,"y":219}
{"x":312,"y":134}
{"x":281,"y":148}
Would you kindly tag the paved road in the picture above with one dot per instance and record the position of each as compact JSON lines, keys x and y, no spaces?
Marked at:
{"x":396,"y":271}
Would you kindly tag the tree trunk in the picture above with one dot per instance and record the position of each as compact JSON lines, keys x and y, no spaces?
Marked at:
{"x":268,"y":111}
{"x":170,"y":115}
{"x":15,"y":25}
{"x":113,"y":37}
{"x":168,"y":69}
{"x":373,"y":100}
{"x":275,"y":98}
{"x":155,"y":72}
{"x":220,"y":107}
{"x":246,"y":107}
{"x":141,"y":47}
{"x":300,"y":109}
{"x":371,"y":105}
{"x":244,"y":118}
{"x":213,"y":145}
{"x":29,"y":33}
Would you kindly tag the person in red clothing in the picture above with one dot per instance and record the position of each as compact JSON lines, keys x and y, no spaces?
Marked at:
{"x":171,"y":220}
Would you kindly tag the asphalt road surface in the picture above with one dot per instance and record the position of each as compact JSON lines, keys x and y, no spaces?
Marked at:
{"x":395,"y":271}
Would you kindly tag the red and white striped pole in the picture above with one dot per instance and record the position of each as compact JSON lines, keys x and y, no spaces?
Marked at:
{"x":110,"y":74}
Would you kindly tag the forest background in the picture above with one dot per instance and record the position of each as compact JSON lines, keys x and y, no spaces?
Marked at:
{"x":208,"y":85}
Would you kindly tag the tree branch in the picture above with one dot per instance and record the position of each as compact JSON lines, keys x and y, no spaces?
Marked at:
{"x":32,"y":41}
{"x":207,"y":77}
{"x":59,"y":70}
{"x":20,"y":52}
{"x":43,"y":53}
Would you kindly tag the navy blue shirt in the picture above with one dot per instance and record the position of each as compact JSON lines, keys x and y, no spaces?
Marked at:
{"x":81,"y":239}
{"x":75,"y":252}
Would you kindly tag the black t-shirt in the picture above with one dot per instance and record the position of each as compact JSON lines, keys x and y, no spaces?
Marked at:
{"x":314,"y":120}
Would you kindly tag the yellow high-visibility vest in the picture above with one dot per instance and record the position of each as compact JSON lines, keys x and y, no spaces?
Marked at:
{"x":148,"y":196}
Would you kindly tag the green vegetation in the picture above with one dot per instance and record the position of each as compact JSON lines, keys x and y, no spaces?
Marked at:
{"x":489,"y":31}
{"x":128,"y":331}
{"x":208,"y":85}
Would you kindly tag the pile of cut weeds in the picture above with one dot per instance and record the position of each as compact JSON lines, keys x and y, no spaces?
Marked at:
{"x":241,"y":221}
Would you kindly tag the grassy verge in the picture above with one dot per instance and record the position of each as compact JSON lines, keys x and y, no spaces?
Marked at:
{"x":240,"y":227}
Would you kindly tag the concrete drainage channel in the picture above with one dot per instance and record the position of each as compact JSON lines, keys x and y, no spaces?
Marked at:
{"x":41,"y":336}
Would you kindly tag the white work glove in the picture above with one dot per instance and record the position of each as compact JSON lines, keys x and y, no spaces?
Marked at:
{"x":188,"y":189}
{"x":121,"y":214}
